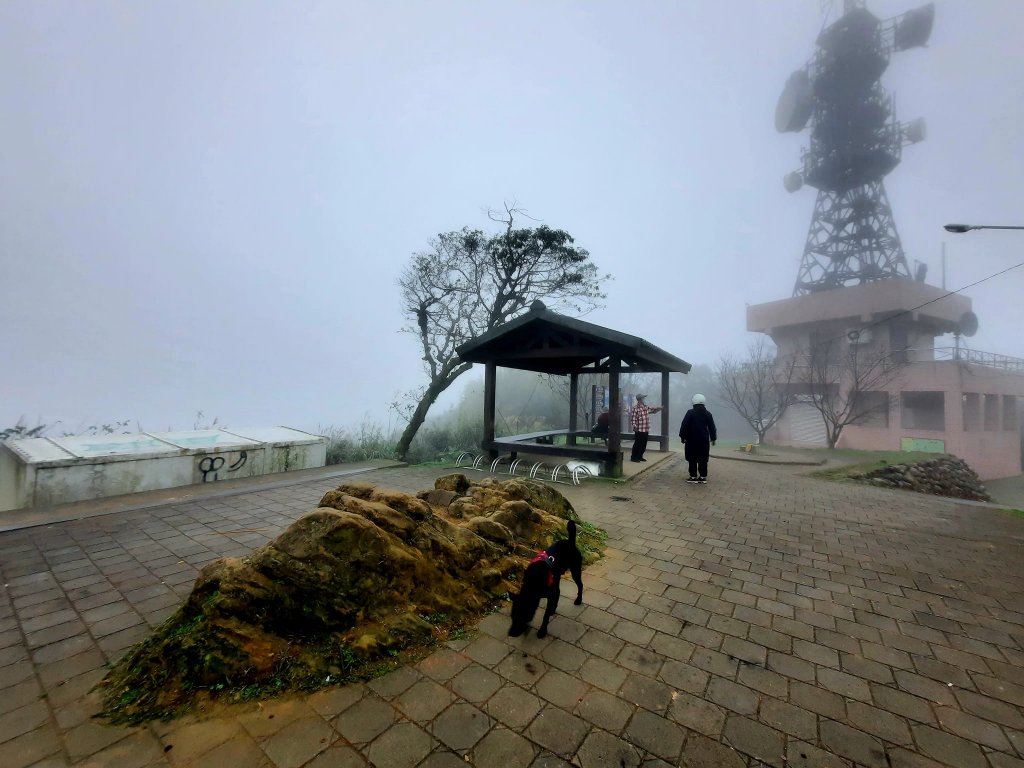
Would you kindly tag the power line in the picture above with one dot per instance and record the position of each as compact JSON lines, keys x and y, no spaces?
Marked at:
{"x":937,"y":298}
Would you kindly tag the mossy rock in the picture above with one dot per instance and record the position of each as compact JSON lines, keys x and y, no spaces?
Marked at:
{"x":342,"y":590}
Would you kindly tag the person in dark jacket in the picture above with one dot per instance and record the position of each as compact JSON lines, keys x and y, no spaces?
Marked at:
{"x":698,"y":434}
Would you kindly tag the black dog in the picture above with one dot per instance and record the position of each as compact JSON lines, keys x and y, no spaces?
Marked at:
{"x":541,"y":580}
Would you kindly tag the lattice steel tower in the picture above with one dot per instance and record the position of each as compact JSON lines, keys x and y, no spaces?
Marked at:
{"x":855,"y":141}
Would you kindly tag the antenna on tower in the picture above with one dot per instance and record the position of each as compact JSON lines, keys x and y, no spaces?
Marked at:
{"x":855,"y":142}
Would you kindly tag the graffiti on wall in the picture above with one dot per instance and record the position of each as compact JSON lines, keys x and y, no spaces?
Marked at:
{"x":210,"y":466}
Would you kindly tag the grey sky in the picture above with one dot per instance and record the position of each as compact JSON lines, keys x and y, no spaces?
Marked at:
{"x":205,"y":206}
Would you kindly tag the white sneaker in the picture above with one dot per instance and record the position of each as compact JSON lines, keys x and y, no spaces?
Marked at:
{"x":702,"y":480}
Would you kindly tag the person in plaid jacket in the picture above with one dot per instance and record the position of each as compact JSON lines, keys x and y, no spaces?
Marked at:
{"x":640,"y":421}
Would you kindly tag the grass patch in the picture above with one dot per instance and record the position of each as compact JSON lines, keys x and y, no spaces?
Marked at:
{"x":1016,"y":512}
{"x":862,"y":462}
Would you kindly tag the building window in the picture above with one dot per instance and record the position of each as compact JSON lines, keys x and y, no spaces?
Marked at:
{"x":871,"y":409}
{"x":1010,"y":413}
{"x":991,"y":413}
{"x":923,"y":410}
{"x":972,"y":411}
{"x":898,"y":343}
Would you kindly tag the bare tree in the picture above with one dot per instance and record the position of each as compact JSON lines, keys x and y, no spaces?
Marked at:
{"x":757,"y":388}
{"x":470,"y":282}
{"x":848,"y":383}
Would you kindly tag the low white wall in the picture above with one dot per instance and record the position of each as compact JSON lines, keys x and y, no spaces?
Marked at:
{"x":38,"y":472}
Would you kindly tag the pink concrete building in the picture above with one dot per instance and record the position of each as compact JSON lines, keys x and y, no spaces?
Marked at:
{"x":944,"y":399}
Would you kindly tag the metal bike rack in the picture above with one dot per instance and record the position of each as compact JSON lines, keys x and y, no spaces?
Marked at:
{"x":581,"y":471}
{"x":463,"y":455}
{"x":536,"y":469}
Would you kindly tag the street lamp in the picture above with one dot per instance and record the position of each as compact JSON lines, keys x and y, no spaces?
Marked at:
{"x":961,"y":228}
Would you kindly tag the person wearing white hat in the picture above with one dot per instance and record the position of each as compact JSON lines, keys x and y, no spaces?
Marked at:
{"x":640,"y":421}
{"x":698,"y":434}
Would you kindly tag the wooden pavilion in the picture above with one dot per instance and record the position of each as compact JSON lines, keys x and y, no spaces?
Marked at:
{"x":548,"y":342}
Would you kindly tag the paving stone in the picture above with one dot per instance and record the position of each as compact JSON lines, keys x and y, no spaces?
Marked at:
{"x":714,"y":662}
{"x":443,"y":665}
{"x":604,"y":710}
{"x":504,"y":748}
{"x":879,"y":723}
{"x":752,"y":653}
{"x":393,"y":683}
{"x":475,"y":683}
{"x":29,"y":748}
{"x":851,"y":743}
{"x":800,"y":754}
{"x":988,"y":708}
{"x":487,"y":650}
{"x":632,"y":632}
{"x":298,"y":742}
{"x":563,"y":656}
{"x":733,"y":696}
{"x":424,"y":701}
{"x":403,"y":745}
{"x":603,"y":674}
{"x":656,"y":734}
{"x":461,"y":726}
{"x":672,"y":647}
{"x":561,"y":689}
{"x":702,"y":752}
{"x":23,"y":719}
{"x":844,"y":684}
{"x":337,"y":756}
{"x":924,"y":687}
{"x":646,"y":692}
{"x":522,"y":668}
{"x":947,"y":748}
{"x":901,"y":703}
{"x":788,"y":719}
{"x":764,"y":680}
{"x":333,"y":701}
{"x":365,"y":720}
{"x":754,"y":739}
{"x":602,"y":749}
{"x":87,"y":739}
{"x":696,"y":714}
{"x":1000,"y":689}
{"x":557,"y":731}
{"x":972,"y":728}
{"x":269,"y":717}
{"x":601,"y":644}
{"x":641,"y":660}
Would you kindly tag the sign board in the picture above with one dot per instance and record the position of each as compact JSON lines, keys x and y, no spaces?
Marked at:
{"x":922,"y":444}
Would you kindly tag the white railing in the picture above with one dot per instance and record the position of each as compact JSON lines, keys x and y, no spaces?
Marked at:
{"x":977,"y":357}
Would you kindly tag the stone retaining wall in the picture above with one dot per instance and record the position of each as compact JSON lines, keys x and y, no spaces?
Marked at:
{"x":945,"y":476}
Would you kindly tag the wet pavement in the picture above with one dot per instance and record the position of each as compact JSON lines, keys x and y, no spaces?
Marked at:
{"x":766,"y":618}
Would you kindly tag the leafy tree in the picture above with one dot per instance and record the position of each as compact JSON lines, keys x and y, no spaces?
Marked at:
{"x":470,"y":282}
{"x":757,"y":388}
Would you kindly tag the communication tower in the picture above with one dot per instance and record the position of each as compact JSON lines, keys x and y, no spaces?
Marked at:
{"x":855,"y":141}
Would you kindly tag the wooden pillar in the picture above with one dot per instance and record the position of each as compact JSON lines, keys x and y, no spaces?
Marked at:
{"x":665,"y":434}
{"x":614,"y":465}
{"x":490,"y":392}
{"x":574,"y":386}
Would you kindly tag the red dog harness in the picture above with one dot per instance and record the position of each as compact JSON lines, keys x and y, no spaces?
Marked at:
{"x":549,"y":561}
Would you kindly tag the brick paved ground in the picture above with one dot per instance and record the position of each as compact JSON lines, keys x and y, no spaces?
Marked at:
{"x":764,"y":619}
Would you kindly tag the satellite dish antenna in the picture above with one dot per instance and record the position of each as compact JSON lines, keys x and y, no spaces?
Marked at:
{"x":793,"y":181}
{"x":914,"y":28}
{"x":795,"y":104}
{"x":915,"y":130}
{"x":968,"y":324}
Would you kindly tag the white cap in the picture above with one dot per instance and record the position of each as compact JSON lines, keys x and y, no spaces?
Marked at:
{"x":640,"y":397}
{"x":697,"y":399}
